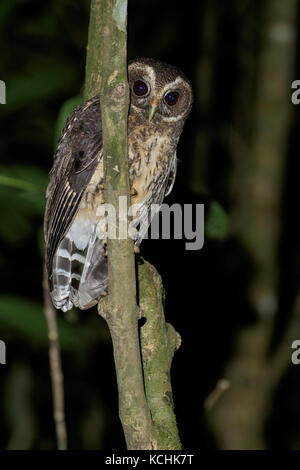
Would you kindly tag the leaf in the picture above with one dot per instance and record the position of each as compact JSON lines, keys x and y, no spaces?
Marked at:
{"x":24,"y":188}
{"x":17,"y":183}
{"x":216,"y":221}
{"x":28,"y":177}
{"x":17,"y":224}
{"x":26,"y":317}
{"x":31,"y":203}
{"x":42,"y":82}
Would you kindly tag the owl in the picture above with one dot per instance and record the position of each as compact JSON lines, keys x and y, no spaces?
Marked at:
{"x":76,"y":261}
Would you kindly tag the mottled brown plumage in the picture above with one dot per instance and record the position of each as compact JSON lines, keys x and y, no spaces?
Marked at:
{"x":161,"y":100}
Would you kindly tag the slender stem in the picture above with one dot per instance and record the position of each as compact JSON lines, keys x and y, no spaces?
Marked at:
{"x":108,"y":37}
{"x":55,"y":369}
{"x":159,"y":340}
{"x":133,"y":409}
{"x":92,"y":70}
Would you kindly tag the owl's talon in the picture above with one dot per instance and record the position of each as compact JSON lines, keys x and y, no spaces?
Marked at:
{"x":136,"y":249}
{"x":133,"y":191}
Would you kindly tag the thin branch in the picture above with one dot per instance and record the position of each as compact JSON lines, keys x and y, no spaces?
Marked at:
{"x":159,"y":341}
{"x":55,"y":369}
{"x":108,"y":26}
{"x":92,"y":70}
{"x":221,"y":387}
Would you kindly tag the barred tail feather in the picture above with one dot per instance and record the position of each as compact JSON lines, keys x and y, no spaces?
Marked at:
{"x":80,"y":275}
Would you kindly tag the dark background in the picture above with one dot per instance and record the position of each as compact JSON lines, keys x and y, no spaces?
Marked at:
{"x":235,"y":302}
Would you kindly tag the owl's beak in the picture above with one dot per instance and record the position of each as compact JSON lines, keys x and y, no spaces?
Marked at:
{"x":152,"y":108}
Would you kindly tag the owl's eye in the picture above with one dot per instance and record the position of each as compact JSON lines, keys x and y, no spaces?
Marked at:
{"x":140,"y":88}
{"x":172,"y":98}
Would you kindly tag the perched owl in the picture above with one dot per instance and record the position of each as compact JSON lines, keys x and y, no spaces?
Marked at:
{"x":161,"y":100}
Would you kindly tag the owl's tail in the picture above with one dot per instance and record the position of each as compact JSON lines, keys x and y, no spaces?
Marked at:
{"x":79,"y":274}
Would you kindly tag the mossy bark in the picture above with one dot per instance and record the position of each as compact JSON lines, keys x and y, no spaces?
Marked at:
{"x":93,"y":48}
{"x":159,"y":340}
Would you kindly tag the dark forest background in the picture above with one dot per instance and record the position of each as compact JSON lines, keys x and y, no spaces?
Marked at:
{"x":236,"y":302}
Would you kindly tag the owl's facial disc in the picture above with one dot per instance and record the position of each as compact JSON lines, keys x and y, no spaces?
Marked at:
{"x":159,"y":91}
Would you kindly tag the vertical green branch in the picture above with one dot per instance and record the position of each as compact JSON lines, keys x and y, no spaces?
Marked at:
{"x":108,"y":26}
{"x":94,"y":46}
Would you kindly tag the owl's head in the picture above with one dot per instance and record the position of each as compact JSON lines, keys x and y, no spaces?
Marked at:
{"x":159,"y":90}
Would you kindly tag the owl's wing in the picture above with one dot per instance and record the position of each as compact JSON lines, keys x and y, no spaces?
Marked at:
{"x":78,"y":152}
{"x":172,"y":175}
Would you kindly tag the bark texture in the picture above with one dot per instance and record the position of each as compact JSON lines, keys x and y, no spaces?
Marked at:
{"x":107,"y":58}
{"x":159,"y":341}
